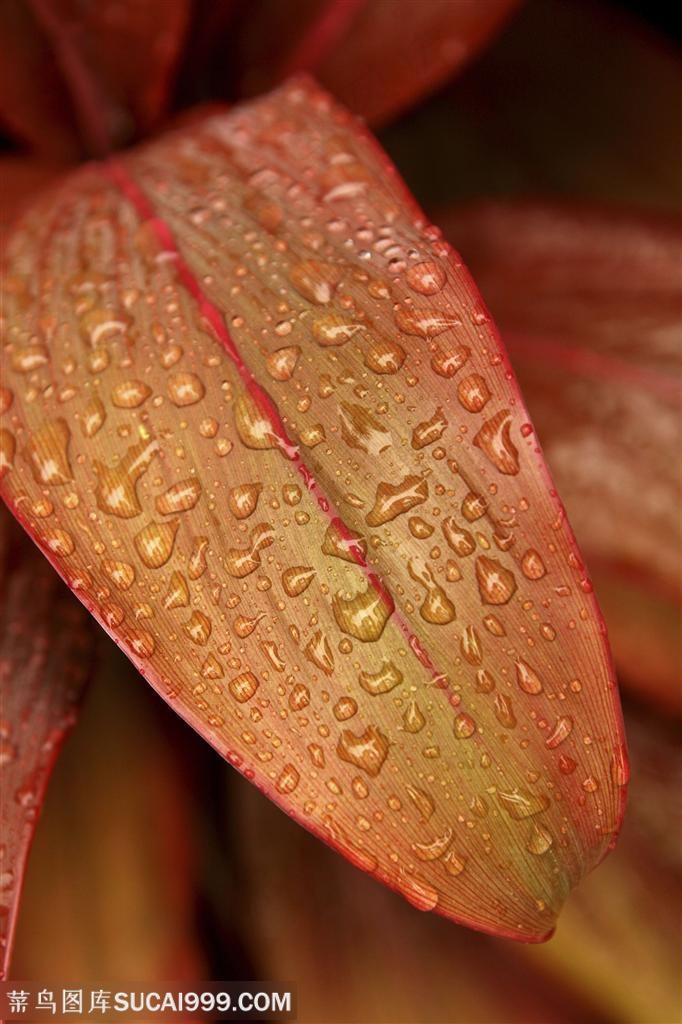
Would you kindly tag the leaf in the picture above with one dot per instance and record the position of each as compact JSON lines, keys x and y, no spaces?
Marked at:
{"x":289,"y":471}
{"x":597,"y":349}
{"x":45,"y":655}
{"x":537,"y":115}
{"x":80,"y":77}
{"x":377,"y":56}
{"x":112,"y":883}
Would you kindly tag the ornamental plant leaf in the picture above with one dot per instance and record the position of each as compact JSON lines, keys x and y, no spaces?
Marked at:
{"x":75,"y":77}
{"x":358,"y":48}
{"x":116,"y":856}
{"x":46,"y":650}
{"x":259,"y":419}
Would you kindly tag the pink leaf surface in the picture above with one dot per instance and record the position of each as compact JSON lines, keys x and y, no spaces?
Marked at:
{"x":589,"y":304}
{"x":263,"y":426}
{"x":45,"y":660}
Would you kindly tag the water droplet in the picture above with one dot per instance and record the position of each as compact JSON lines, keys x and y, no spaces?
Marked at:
{"x":8,"y":447}
{"x":281,"y":363}
{"x":179,"y":497}
{"x":429,"y":431}
{"x":121,"y":574}
{"x":333,"y":330}
{"x":340,"y":542}
{"x":496,"y":584}
{"x":427,"y":277}
{"x":425,"y":323}
{"x":154,"y":543}
{"x":297,"y":579}
{"x":448,"y":362}
{"x":345,"y":708}
{"x":196,"y":565}
{"x":288,"y":779}
{"x":437,"y":608}
{"x":504,"y":711}
{"x":520,"y":803}
{"x":59,"y":541}
{"x":562,"y":729}
{"x":384,"y":356}
{"x":494,"y":440}
{"x":362,"y":431}
{"x":47,"y":454}
{"x":385,"y":679}
{"x":393,"y":500}
{"x":242,"y":500}
{"x":366,"y":751}
{"x":253,"y":425}
{"x":540,"y":840}
{"x":243,"y":687}
{"x":130,"y":394}
{"x":314,"y":280}
{"x":185,"y":389}
{"x":198,"y":629}
{"x":319,"y":653}
{"x":473,"y":392}
{"x":29,"y":358}
{"x":471,"y":647}
{"x":435,"y":849}
{"x":413,"y":719}
{"x":464,"y":726}
{"x":532,"y":566}
{"x":94,"y":416}
{"x":527,"y":678}
{"x":363,"y":615}
{"x":457,"y":538}
{"x":116,"y":491}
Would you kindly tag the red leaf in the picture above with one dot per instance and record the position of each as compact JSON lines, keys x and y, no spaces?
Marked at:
{"x":537,"y":114}
{"x":596,"y":344}
{"x":80,"y":78}
{"x":45,"y":655}
{"x":377,"y":56}
{"x":112,"y":882}
{"x":300,"y":490}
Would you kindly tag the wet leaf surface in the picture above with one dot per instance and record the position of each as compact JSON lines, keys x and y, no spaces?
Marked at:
{"x":259,"y":419}
{"x":46,"y":646}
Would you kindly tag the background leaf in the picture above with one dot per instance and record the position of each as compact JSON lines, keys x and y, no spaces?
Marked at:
{"x":81,"y":78}
{"x":45,"y":661}
{"x":376,"y":57}
{"x":113,"y":884}
{"x":588,"y":301}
